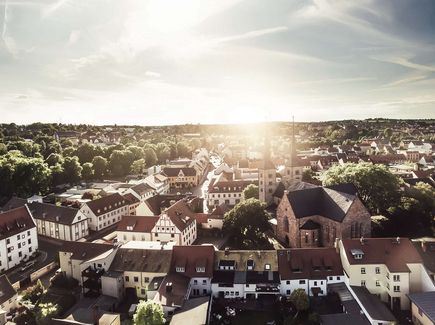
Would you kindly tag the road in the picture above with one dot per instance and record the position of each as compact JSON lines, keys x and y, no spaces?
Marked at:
{"x":202,"y":189}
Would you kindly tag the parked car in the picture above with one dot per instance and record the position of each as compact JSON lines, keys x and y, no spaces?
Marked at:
{"x":27,"y":266}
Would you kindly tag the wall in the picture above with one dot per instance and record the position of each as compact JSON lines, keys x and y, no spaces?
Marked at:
{"x":420,"y":319}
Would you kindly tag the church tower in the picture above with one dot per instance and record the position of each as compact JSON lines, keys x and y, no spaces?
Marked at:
{"x":293,"y":167}
{"x":266,"y":174}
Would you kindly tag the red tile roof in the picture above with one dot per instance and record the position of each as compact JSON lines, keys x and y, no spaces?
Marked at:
{"x":106,"y":204}
{"x":137,"y":223}
{"x":394,"y":254}
{"x":191,"y":257}
{"x":14,"y":221}
{"x":180,"y":214}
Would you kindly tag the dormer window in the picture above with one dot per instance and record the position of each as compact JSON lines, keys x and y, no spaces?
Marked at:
{"x":250,"y":265}
{"x":179,"y":269}
{"x":357,"y":254}
{"x":200,"y":269}
{"x":267,"y":267}
{"x":98,"y":211}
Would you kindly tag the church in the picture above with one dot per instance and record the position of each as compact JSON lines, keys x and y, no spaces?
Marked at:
{"x":309,"y":215}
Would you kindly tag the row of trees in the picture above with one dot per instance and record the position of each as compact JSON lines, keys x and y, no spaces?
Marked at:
{"x":408,"y":212}
{"x":27,"y":167}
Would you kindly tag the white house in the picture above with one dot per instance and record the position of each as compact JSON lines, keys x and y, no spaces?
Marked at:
{"x":105,"y":211}
{"x":8,"y":295}
{"x":59,"y":222}
{"x":18,"y":237}
{"x":310,"y":269}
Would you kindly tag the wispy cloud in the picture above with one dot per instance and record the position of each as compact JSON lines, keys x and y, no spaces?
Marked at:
{"x":250,"y":34}
{"x":52,"y":8}
{"x":404,"y":62}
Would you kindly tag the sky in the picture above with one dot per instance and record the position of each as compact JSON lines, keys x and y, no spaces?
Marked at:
{"x":160,"y":62}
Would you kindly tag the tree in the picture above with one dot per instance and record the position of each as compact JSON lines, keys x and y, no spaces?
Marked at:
{"x":309,"y":176}
{"x":46,"y":312}
{"x":120,"y":162}
{"x":138,"y":166}
{"x":388,"y":133}
{"x":182,"y":149}
{"x":88,"y":171}
{"x":86,"y":152}
{"x":150,"y":157}
{"x":54,"y":159}
{"x":137,"y":152}
{"x":149,"y":313}
{"x":33,"y":293}
{"x":300,"y":300}
{"x":163,"y":152}
{"x":246,"y":224}
{"x":377,"y":187}
{"x":251,"y":192}
{"x":72,"y":170}
{"x":100,"y":166}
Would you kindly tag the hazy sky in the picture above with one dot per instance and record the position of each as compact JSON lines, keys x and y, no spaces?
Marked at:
{"x":206,"y":61}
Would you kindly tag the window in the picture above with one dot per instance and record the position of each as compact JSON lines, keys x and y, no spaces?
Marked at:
{"x":396,"y":288}
{"x":363,"y":270}
{"x":378,"y":284}
{"x":396,"y":278}
{"x":127,"y":279}
{"x":301,"y":281}
{"x":195,"y":281}
{"x":363,"y":283}
{"x":136,"y":279}
{"x":288,"y":292}
{"x":204,"y":281}
{"x":287,"y":282}
{"x":267,"y":267}
{"x":142,"y":291}
{"x":378,"y":270}
{"x":146,"y":279}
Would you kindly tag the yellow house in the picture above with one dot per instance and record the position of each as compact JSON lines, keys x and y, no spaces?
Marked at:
{"x":423,"y":308}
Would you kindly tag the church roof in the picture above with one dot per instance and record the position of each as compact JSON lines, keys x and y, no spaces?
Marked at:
{"x":331,"y":202}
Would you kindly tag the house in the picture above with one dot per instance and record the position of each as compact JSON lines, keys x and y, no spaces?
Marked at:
{"x":139,"y":272}
{"x":209,"y":220}
{"x":8,"y":295}
{"x":195,"y":263}
{"x":159,"y":182}
{"x":310,"y":269}
{"x":391,"y":268}
{"x":189,"y":276}
{"x":426,"y":248}
{"x":18,"y":237}
{"x":133,"y":203}
{"x":224,"y":190}
{"x":423,"y":308}
{"x":141,"y":191}
{"x":136,"y":228}
{"x":177,"y":224}
{"x":245,"y":274}
{"x":156,"y":204}
{"x":388,"y":159}
{"x":87,"y":263}
{"x":59,"y":222}
{"x":181,"y":177}
{"x":105,"y":211}
{"x":316,"y":216}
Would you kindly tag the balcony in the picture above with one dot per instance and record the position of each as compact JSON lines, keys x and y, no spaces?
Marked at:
{"x":266,"y":288}
{"x":92,"y":273}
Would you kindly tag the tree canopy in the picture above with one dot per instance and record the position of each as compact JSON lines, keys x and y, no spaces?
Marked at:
{"x":377,"y":187}
{"x":149,"y":313}
{"x":247,"y":223}
{"x":251,"y":192}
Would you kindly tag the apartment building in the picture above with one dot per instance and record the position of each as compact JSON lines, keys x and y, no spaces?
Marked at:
{"x":59,"y":222}
{"x":18,"y":237}
{"x":391,"y":268}
{"x":105,"y":211}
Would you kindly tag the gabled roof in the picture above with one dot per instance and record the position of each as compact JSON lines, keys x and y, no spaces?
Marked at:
{"x":106,"y":204}
{"x":173,"y":290}
{"x":14,"y":221}
{"x":130,"y":198}
{"x":241,"y":257}
{"x":394,"y":254}
{"x":7,"y":291}
{"x":50,"y":212}
{"x":141,"y":224}
{"x":425,"y":302}
{"x":373,"y":305}
{"x":159,"y":202}
{"x":180,"y":214}
{"x":141,"y":260}
{"x":14,"y":202}
{"x":142,"y":188}
{"x":330,"y":202}
{"x":191,"y":257}
{"x":309,"y":263}
{"x":175,"y":171}
{"x":83,"y":250}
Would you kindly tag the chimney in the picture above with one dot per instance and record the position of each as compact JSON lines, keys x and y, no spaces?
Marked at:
{"x":361,"y":240}
{"x":337,"y":244}
{"x":95,"y":315}
{"x":423,"y":246}
{"x":397,"y":240}
{"x":227,"y":251}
